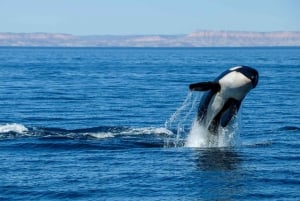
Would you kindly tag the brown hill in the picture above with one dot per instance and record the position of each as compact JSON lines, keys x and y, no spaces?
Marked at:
{"x":195,"y":39}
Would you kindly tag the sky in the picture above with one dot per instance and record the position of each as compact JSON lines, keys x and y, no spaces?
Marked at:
{"x":123,"y":17}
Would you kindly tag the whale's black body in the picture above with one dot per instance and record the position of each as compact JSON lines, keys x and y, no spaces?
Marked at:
{"x":223,"y":96}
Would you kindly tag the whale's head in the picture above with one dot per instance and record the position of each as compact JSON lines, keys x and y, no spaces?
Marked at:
{"x":237,"y":82}
{"x":250,"y":73}
{"x":234,"y":83}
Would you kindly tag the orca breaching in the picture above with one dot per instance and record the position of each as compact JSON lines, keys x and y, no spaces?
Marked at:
{"x":223,"y":97}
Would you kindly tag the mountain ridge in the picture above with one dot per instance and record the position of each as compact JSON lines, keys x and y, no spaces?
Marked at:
{"x":202,"y":38}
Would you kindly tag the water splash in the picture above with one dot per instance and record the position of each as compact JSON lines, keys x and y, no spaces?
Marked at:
{"x":13,"y":127}
{"x":190,"y":133}
{"x":200,"y":137}
{"x":180,"y":120}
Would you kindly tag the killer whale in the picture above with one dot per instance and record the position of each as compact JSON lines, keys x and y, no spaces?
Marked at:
{"x":223,"y":96}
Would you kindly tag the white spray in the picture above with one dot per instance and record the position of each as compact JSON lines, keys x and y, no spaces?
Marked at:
{"x":181,"y":120}
{"x":196,"y":135}
{"x":202,"y":138}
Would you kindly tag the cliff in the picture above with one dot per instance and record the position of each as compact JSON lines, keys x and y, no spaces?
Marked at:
{"x":195,"y":39}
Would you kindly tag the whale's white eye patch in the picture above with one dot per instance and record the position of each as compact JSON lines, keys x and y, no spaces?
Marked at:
{"x":234,"y":68}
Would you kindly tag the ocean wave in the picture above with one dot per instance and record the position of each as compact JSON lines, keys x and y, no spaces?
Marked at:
{"x":14,"y":127}
{"x":15,"y":130}
{"x":289,"y":128}
{"x":115,"y":131}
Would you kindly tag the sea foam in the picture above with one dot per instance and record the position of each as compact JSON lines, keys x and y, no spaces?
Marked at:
{"x":13,"y":127}
{"x":200,"y":137}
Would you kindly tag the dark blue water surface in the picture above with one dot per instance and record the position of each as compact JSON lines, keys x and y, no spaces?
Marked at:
{"x":111,"y":124}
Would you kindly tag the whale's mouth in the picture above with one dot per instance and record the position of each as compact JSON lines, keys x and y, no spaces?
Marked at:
{"x":205,"y":86}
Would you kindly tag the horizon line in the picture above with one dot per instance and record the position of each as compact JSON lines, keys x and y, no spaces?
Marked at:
{"x":146,"y":34}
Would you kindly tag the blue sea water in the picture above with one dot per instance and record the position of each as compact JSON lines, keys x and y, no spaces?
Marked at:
{"x":111,"y":124}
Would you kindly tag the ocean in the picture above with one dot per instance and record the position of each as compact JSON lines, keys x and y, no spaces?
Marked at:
{"x":112,"y":124}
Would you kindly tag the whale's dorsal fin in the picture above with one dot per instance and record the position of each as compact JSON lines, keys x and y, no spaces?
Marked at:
{"x":205,"y":86}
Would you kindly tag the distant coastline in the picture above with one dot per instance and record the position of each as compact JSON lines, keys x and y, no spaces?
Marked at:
{"x":194,"y":39}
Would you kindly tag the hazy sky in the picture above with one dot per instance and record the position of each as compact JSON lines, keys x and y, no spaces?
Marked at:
{"x":85,"y":17}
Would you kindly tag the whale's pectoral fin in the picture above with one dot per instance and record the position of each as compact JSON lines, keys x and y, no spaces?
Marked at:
{"x":231,"y":108}
{"x":205,"y":86}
